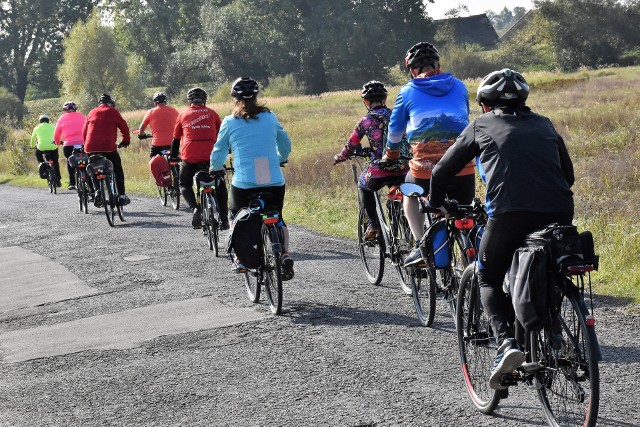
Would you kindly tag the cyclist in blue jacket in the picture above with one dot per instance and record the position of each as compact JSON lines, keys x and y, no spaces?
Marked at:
{"x":259,"y":145}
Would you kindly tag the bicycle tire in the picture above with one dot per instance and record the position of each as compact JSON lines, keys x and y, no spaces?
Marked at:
{"x":163,"y":194}
{"x":213,"y":223}
{"x":476,"y":343}
{"x":569,"y":385}
{"x":252,"y":283}
{"x":107,"y":201}
{"x":51,"y":181}
{"x":272,"y":269}
{"x":371,"y":253}
{"x":402,"y":244}
{"x":423,"y":292}
{"x":174,"y":190}
{"x":80,"y":189}
{"x":85,"y":191}
{"x":116,"y":198}
{"x":206,"y":219}
{"x":459,"y":262}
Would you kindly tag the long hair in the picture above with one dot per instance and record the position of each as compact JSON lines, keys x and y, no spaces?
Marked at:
{"x":248,"y":108}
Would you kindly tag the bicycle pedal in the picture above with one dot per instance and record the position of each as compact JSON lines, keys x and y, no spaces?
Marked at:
{"x":530,"y":367}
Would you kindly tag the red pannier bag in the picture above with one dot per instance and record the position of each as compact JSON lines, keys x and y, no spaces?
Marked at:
{"x":160,"y":170}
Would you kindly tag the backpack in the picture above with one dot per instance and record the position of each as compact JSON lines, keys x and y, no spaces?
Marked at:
{"x":434,"y":246}
{"x":245,"y":238}
{"x":43,"y":170}
{"x":160,"y":170}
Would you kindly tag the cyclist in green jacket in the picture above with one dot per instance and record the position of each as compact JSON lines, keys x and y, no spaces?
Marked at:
{"x":42,"y":141}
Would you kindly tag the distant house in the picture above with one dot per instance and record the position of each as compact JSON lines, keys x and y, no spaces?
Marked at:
{"x":475,"y":29}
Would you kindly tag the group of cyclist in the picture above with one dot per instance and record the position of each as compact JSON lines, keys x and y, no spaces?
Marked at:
{"x":521,"y":158}
{"x":519,"y":155}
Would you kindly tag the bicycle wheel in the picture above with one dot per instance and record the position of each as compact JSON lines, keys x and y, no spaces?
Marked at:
{"x":476,"y":343}
{"x":212,"y":223}
{"x":163,"y":194}
{"x":569,"y":384}
{"x":51,"y":181}
{"x":403,"y":242}
{"x":252,"y":283}
{"x":116,"y":198}
{"x":174,"y":190}
{"x":272,"y":266}
{"x":206,"y":218}
{"x":423,"y":291}
{"x":371,"y":253}
{"x":80,"y":189}
{"x":453,"y":275}
{"x":107,"y":201}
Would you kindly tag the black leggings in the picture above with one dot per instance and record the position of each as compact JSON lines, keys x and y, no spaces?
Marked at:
{"x":367,"y":197}
{"x":67,"y":150}
{"x":240,"y":197}
{"x":187,"y":172}
{"x":502,"y":236}
{"x":49,"y":155}
{"x":114,"y":158}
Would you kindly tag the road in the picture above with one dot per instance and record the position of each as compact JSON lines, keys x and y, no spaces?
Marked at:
{"x":139,"y":325}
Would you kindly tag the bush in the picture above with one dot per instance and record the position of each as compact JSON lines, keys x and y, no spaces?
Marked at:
{"x":283,"y":86}
{"x":10,"y":105}
{"x":17,"y":147}
{"x":465,"y":63}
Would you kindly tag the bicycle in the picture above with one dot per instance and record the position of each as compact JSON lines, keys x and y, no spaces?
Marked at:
{"x":561,"y":360}
{"x":52,"y":177}
{"x":78,"y":161}
{"x":394,"y":241}
{"x":205,"y":193}
{"x":172,"y":192}
{"x":462,"y":223}
{"x":102,"y":169}
{"x":269,"y":272}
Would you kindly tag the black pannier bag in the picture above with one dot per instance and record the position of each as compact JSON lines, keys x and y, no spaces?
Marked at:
{"x":99,"y":164}
{"x":43,"y":170}
{"x":78,"y":159}
{"x":245,"y":238}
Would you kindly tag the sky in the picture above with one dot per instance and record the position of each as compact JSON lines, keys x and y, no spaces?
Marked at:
{"x":437,"y":9}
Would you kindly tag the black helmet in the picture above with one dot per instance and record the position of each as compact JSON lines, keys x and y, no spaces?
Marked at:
{"x":160,"y":97}
{"x":69,"y":106}
{"x":244,"y":87}
{"x":197,"y":95}
{"x":421,"y":55}
{"x":374,"y":91}
{"x":107,"y":99}
{"x":505,"y":84}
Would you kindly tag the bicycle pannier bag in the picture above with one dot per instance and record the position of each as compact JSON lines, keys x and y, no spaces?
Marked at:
{"x":99,"y":164}
{"x":43,"y":170}
{"x":564,"y":245}
{"x":528,"y":285}
{"x":160,"y":170}
{"x":435,"y":247}
{"x":245,"y":238}
{"x":77,"y":159}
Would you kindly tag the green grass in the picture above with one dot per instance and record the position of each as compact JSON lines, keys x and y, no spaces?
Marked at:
{"x":595,"y":111}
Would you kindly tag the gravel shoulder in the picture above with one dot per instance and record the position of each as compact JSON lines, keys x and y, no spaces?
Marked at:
{"x":344,"y":353}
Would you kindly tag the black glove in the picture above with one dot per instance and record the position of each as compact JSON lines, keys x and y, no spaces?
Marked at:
{"x":124,"y":144}
{"x":174,"y":159}
{"x":142,"y":136}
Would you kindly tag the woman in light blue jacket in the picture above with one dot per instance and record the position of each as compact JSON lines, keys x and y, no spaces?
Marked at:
{"x":259,"y":145}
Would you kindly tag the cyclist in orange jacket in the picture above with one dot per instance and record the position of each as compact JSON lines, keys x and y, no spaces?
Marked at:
{"x":162,"y":119}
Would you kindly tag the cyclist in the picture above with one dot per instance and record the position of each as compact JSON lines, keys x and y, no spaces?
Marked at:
{"x":259,"y":145}
{"x":432,"y":108}
{"x":373,"y":125}
{"x":162,"y":119}
{"x":42,"y":141}
{"x":528,"y":175}
{"x":69,"y":129}
{"x":100,"y":133}
{"x":194,"y":135}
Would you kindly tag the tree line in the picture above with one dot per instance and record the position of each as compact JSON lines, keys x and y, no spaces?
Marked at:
{"x":81,"y":48}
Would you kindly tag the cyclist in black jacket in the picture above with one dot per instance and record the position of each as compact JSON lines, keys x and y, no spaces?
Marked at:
{"x":528,"y":175}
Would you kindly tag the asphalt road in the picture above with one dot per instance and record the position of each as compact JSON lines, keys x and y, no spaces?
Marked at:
{"x":141,"y":325}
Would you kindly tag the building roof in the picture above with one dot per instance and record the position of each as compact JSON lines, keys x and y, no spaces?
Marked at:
{"x":518,"y":25}
{"x":475,"y":29}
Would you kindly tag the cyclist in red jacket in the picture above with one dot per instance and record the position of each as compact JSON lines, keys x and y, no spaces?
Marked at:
{"x":100,"y":135}
{"x":194,"y":134}
{"x":162,"y":119}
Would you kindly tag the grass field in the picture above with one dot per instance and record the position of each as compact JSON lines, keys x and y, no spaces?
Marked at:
{"x":595,"y":111}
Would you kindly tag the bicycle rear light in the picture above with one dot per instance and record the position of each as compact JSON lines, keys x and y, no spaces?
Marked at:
{"x":578,"y":269}
{"x":271,"y":220}
{"x":464,"y":223}
{"x":590,"y":320}
{"x":101,"y":176}
{"x":471,"y":252}
{"x":207,"y":190}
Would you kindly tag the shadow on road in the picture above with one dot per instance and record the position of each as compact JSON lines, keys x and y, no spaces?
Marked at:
{"x":309,"y":256}
{"x":333,"y":315}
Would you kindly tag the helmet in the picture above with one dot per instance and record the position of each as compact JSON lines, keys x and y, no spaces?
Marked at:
{"x":422,"y":54}
{"x":69,"y":106}
{"x":505,"y":84}
{"x":244,"y":87}
{"x":107,"y":99}
{"x":160,"y":97}
{"x":197,"y":95}
{"x":374,"y":91}
{"x":44,"y":118}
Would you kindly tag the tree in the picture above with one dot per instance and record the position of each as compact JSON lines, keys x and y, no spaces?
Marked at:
{"x":31,"y":28}
{"x":94,"y":63}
